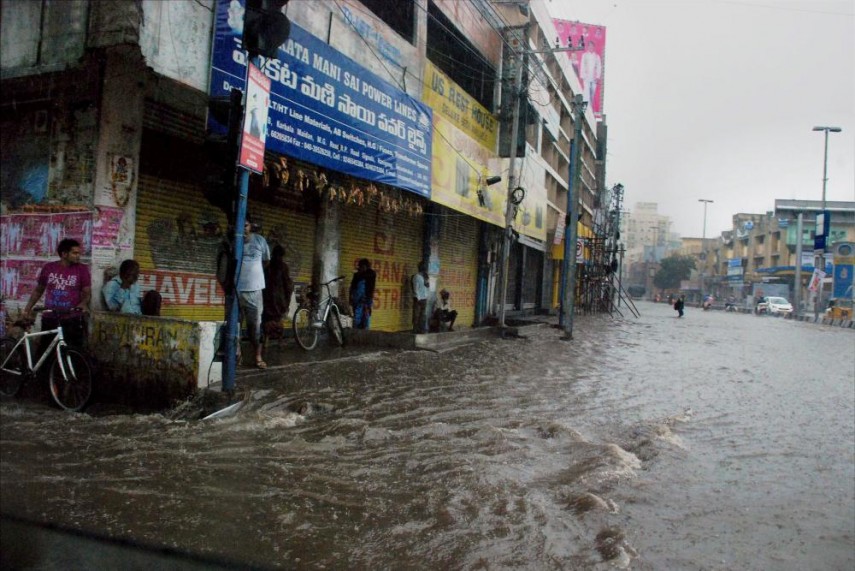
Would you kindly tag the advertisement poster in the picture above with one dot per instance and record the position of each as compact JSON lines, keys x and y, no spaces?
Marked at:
{"x":816,"y":280}
{"x":29,"y":241}
{"x":327,"y":110}
{"x":255,"y":121}
{"x":589,"y":62}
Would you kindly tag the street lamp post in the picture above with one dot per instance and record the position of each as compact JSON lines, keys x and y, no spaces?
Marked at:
{"x":821,"y":264}
{"x":704,"y":245}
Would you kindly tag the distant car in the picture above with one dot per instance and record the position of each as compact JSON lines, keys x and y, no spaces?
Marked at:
{"x":774,"y":305}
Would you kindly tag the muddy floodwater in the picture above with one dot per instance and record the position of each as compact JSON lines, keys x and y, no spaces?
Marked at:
{"x":715,"y":441}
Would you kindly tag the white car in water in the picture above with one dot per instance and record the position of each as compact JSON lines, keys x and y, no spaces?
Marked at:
{"x":774,"y":305}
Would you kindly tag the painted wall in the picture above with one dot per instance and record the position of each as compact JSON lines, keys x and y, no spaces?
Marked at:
{"x":148,"y":361}
{"x":175,"y":39}
{"x":41,"y":36}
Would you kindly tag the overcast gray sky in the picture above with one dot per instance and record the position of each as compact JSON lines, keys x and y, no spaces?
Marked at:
{"x":716,"y":99}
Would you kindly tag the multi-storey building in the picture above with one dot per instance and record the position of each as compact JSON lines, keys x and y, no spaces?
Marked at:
{"x":762,"y":249}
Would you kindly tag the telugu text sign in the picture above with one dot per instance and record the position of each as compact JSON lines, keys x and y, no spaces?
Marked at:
{"x":327,"y":110}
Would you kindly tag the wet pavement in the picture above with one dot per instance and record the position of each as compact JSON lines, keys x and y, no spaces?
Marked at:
{"x":716,"y":441}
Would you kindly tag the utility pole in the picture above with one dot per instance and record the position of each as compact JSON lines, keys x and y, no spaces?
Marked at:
{"x":510,"y":207}
{"x":516,"y":193}
{"x":821,"y":265}
{"x":568,"y":299}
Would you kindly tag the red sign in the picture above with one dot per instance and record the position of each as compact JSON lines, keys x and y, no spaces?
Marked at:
{"x":255,"y":120}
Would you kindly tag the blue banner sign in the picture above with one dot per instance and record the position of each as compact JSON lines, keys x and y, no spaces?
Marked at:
{"x":327,"y":110}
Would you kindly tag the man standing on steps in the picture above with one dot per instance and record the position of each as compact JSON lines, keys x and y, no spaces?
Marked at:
{"x":420,"y":285}
{"x":256,"y":257}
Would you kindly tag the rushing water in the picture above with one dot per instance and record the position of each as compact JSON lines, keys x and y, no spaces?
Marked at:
{"x":716,"y":441}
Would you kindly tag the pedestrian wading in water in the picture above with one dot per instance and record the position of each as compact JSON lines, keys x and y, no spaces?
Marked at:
{"x":679,"y":305}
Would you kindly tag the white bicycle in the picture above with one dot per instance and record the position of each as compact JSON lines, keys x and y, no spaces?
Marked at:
{"x":313,"y":316}
{"x":70,"y":376}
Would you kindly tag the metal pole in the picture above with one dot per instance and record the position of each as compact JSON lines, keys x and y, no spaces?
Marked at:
{"x":233,"y":317}
{"x":704,"y":246}
{"x":571,"y":230}
{"x":509,"y":206}
{"x":821,"y":263}
{"x":565,"y":263}
{"x":797,"y":281}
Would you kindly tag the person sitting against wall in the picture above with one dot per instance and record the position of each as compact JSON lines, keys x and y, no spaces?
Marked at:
{"x":443,"y":312}
{"x":122,"y":293}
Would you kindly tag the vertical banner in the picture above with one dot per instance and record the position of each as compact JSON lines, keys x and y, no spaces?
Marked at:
{"x":816,"y":280}
{"x":255,"y":121}
{"x":589,"y":61}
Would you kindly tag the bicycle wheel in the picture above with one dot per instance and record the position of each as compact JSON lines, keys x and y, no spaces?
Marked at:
{"x":71,"y":379}
{"x":305,"y":334}
{"x":334,"y":324}
{"x":12,"y":375}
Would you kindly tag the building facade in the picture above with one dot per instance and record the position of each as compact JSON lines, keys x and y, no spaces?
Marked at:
{"x":113,"y":133}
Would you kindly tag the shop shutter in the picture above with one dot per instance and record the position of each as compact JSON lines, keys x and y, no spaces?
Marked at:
{"x":393,"y":243}
{"x":514,"y":269}
{"x":532,"y":273}
{"x":178,"y":234}
{"x":458,"y":263}
{"x":165,"y":119}
{"x":177,"y":237}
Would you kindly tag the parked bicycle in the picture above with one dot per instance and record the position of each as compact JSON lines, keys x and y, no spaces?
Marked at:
{"x":70,"y":374}
{"x":313,"y":316}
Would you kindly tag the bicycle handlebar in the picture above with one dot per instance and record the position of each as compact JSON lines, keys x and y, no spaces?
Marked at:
{"x":26,"y":323}
{"x":332,"y":280}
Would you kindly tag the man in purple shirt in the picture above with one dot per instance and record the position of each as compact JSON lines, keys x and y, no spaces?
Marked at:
{"x":67,"y":285}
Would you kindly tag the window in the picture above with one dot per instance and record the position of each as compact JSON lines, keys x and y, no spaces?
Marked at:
{"x":451,"y":52}
{"x":398,"y":15}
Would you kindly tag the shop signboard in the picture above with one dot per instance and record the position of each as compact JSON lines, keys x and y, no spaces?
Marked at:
{"x":328,"y":110}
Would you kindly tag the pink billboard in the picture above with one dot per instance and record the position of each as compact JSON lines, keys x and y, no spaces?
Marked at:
{"x":589,"y":61}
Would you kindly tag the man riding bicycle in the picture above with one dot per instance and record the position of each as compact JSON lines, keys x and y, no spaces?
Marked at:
{"x":68,"y":286}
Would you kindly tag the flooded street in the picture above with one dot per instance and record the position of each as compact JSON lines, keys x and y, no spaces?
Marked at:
{"x":716,"y":441}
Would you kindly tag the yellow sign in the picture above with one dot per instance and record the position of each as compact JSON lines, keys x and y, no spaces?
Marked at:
{"x":452,"y":102}
{"x":460,"y":165}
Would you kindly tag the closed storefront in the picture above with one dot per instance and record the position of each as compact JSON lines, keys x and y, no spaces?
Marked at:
{"x":532,"y":271}
{"x":524,"y":277}
{"x":392,"y":241}
{"x":514,"y":272}
{"x":180,"y":226}
{"x":458,"y":263}
{"x":178,"y":237}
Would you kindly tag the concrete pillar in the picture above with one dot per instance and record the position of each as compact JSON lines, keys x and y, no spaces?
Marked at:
{"x":117,"y":158}
{"x":328,"y":246}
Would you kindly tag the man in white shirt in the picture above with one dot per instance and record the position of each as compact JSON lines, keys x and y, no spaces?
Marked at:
{"x":420,"y":283}
{"x":256,"y":256}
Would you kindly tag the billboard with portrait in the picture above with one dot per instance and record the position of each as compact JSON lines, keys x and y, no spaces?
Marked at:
{"x":589,"y":62}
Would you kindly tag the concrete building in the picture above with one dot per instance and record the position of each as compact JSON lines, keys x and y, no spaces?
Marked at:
{"x":648,"y":238}
{"x":762,"y":249}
